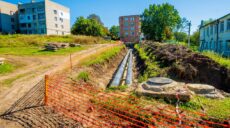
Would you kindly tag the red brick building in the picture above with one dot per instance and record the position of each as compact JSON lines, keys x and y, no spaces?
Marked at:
{"x":130,"y":28}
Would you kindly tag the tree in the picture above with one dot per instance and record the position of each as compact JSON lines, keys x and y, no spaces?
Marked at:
{"x":158,"y":21}
{"x":95,"y":17}
{"x":195,"y":38}
{"x":88,"y":27}
{"x":183,"y":26}
{"x":114,"y":32}
{"x":180,"y":36}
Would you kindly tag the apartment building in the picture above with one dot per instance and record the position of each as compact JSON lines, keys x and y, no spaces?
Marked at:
{"x":44,"y":17}
{"x":215,"y":35}
{"x":8,"y":17}
{"x":130,"y":28}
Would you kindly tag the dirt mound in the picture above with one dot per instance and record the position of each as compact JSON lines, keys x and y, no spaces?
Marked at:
{"x":188,"y":66}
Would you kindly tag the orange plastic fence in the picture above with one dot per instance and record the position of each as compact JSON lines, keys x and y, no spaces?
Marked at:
{"x":95,"y":108}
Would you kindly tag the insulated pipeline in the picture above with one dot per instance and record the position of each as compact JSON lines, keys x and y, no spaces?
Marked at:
{"x":129,"y":75}
{"x":118,"y":76}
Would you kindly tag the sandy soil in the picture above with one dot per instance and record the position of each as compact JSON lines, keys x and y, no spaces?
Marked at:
{"x":34,"y":72}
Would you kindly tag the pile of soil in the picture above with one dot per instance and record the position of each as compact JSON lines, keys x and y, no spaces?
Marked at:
{"x":188,"y":66}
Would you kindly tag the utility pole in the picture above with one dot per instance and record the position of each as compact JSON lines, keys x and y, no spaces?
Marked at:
{"x":189,"y":33}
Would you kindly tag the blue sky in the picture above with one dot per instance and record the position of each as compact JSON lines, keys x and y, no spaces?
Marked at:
{"x":110,"y":10}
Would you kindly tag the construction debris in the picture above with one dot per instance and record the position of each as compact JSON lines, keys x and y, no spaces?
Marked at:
{"x":57,"y":46}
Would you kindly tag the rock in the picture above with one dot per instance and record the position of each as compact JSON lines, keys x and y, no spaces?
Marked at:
{"x":55,"y":46}
{"x":201,"y":88}
{"x":2,"y":61}
{"x":74,"y":45}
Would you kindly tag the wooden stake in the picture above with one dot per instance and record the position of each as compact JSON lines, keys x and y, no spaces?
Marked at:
{"x":46,"y":89}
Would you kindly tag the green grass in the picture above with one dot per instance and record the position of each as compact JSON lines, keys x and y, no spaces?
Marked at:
{"x":216,"y":108}
{"x":6,"y":68}
{"x":218,"y":58}
{"x":152,"y":67}
{"x":103,"y":57}
{"x":118,"y":88}
{"x":38,"y":51}
{"x":40,"y":40}
{"x":84,"y":76}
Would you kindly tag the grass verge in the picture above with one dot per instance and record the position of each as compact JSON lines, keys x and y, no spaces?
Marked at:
{"x":102,"y":57}
{"x":83,"y":76}
{"x":218,"y":58}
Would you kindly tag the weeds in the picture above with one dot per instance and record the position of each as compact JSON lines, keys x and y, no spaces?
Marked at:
{"x":118,"y":88}
{"x":6,"y":68}
{"x":83,"y":76}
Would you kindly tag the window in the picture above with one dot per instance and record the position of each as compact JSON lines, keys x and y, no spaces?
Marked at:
{"x":41,"y":16}
{"x":126,"y":28}
{"x":61,"y":19}
{"x":228,"y":24}
{"x":34,"y":17}
{"x":132,"y":28}
{"x":55,"y":18}
{"x":13,"y":27}
{"x":126,"y":18}
{"x":23,"y":25}
{"x":132,"y":18}
{"x":12,"y":20}
{"x":22,"y":10}
{"x":28,"y":17}
{"x":35,"y":24}
{"x":40,"y":9}
{"x":221,"y":27}
{"x":42,"y":23}
{"x":33,"y":10}
{"x":55,"y":11}
{"x":126,"y":33}
{"x":132,"y":24}
{"x":126,"y":23}
{"x":61,"y":14}
{"x":56,"y":25}
{"x":62,"y":26}
{"x":42,"y":31}
{"x":29,"y":25}
{"x":63,"y":33}
{"x":133,"y":33}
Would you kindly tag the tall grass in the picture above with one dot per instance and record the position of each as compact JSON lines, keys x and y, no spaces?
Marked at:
{"x":18,"y":40}
{"x":218,"y":58}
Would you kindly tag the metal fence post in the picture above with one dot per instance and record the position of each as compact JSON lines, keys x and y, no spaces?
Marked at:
{"x":46,"y":89}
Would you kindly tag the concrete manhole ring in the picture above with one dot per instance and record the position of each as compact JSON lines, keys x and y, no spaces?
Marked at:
{"x":159,"y":81}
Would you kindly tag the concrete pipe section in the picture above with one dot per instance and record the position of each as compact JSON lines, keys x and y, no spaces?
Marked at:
{"x":129,"y":76}
{"x":120,"y":72}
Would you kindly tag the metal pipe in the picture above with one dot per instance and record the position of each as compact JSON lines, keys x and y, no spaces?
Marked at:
{"x":118,"y":76}
{"x":129,"y":77}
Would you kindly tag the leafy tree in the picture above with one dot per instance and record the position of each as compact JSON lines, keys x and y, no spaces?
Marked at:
{"x":195,"y":38}
{"x":180,"y":36}
{"x":158,"y":21}
{"x":88,"y":27}
{"x":114,"y":32}
{"x":95,"y":17}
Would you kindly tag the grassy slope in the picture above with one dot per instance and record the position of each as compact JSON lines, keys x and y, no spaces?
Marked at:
{"x":219,"y":109}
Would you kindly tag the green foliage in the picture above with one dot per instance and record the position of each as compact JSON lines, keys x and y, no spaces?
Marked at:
{"x":118,"y":88}
{"x":158,"y":21}
{"x":89,"y":27}
{"x":114,"y":32}
{"x":180,"y":36}
{"x":6,"y":68}
{"x":84,"y":76}
{"x":95,"y":17}
{"x":104,"y":56}
{"x":152,"y":67}
{"x":218,"y":58}
{"x":195,"y":38}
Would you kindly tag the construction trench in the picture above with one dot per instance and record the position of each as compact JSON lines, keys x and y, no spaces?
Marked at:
{"x":60,"y":102}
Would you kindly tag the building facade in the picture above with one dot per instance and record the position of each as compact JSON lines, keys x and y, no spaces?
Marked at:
{"x":8,"y":18}
{"x":130,"y":28}
{"x":215,"y":36}
{"x":44,"y":17}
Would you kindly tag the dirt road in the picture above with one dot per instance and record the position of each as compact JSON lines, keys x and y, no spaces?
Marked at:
{"x":36,"y":72}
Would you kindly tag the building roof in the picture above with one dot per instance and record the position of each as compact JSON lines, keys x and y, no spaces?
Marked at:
{"x":215,"y":20}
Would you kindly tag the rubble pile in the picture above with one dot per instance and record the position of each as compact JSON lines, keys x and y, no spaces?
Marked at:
{"x":57,"y":46}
